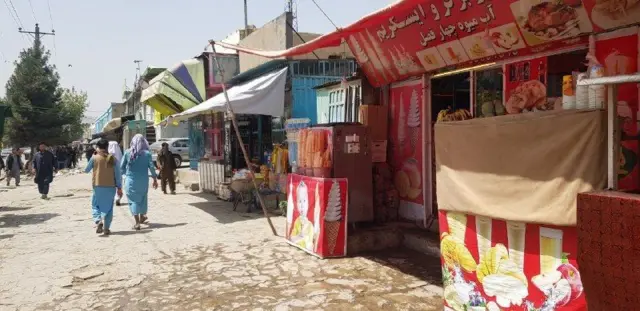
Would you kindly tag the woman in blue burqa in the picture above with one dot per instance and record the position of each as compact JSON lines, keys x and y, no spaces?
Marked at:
{"x":136,"y":166}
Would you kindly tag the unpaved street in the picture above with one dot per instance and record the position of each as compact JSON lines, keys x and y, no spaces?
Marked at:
{"x":196,"y":254}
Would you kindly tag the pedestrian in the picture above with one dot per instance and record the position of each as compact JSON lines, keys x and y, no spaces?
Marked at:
{"x":14,"y":166}
{"x":167,"y":167}
{"x":44,"y":166}
{"x":2,"y":167}
{"x":107,"y":183}
{"x":88,"y":153}
{"x":74,"y":157}
{"x":114,"y":150}
{"x":61,"y":156}
{"x":136,"y":162}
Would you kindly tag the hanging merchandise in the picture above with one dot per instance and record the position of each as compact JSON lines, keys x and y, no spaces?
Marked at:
{"x":582,"y":92}
{"x":448,"y":115}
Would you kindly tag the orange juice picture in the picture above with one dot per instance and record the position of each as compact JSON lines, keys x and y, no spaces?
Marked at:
{"x":515,"y":235}
{"x":483,"y":231}
{"x":550,"y":249}
{"x":457,"y":225}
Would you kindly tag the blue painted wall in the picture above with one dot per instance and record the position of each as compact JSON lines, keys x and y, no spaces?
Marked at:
{"x":304,"y":99}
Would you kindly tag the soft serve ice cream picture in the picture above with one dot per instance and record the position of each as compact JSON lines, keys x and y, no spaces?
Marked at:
{"x":413,"y":121}
{"x":333,"y":217}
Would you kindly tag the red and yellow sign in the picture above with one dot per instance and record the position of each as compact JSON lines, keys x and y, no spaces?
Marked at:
{"x":491,"y":264}
{"x":317,"y":215}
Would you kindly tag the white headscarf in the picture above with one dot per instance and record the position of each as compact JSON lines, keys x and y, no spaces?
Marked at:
{"x":114,"y":150}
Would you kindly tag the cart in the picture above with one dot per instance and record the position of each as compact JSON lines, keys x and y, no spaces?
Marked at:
{"x":244,"y":192}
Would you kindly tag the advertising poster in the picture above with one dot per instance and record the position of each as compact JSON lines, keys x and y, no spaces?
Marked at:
{"x":526,"y":86}
{"x":619,"y":55}
{"x":405,"y":149}
{"x":609,"y":14}
{"x":490,"y":264}
{"x":436,"y":34}
{"x":317,"y":215}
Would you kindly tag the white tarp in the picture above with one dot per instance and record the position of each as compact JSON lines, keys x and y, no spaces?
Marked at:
{"x":263,"y":95}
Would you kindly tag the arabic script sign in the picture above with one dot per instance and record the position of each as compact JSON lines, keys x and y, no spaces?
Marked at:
{"x":436,"y":34}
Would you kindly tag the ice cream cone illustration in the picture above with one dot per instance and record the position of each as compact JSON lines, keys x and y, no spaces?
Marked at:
{"x":316,"y":219}
{"x":333,"y":217}
{"x":402,"y":123}
{"x":413,"y":120}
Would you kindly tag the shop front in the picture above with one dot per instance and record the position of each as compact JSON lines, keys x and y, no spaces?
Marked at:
{"x":488,"y":114}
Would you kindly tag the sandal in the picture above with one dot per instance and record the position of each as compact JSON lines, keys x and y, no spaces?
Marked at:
{"x":136,"y":227}
{"x":100,"y":227}
{"x":106,"y":232}
{"x":143,"y":219}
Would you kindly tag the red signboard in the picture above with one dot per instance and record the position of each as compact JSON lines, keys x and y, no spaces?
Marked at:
{"x":457,"y":33}
{"x":317,"y":215}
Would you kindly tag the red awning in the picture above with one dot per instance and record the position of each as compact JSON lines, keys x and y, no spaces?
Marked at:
{"x":411,"y":37}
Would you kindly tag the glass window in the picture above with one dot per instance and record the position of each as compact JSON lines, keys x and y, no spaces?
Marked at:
{"x":489,"y":101}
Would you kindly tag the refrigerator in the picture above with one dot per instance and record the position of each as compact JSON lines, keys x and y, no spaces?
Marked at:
{"x":347,"y":154}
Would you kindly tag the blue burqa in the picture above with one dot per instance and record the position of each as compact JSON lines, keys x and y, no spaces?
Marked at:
{"x":136,"y":166}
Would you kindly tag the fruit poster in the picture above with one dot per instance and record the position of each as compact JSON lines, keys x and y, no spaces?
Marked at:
{"x":317,"y":215}
{"x":490,"y":264}
{"x":526,"y":86}
{"x":406,"y":147}
{"x":619,"y":55}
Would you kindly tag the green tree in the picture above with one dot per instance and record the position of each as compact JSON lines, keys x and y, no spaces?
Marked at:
{"x":74,"y":105}
{"x":34,"y":95}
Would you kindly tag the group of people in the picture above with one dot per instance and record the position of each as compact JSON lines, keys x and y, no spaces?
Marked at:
{"x":108,"y":165}
{"x":44,"y":166}
{"x":66,"y":156}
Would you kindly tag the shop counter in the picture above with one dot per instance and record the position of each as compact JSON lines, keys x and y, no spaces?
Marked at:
{"x":317,"y":215}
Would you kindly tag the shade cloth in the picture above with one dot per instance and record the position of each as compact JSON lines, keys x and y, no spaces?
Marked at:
{"x":176,"y":89}
{"x":261,"y":96}
{"x":526,"y":167}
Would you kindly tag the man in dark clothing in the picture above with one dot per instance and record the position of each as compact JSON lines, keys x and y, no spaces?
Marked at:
{"x":44,"y":166}
{"x":14,"y":166}
{"x":74,"y":157}
{"x":167,"y":166}
{"x":88,"y":153}
{"x":61,"y":156}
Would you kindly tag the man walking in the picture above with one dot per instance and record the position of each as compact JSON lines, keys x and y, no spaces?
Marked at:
{"x":107,"y":183}
{"x":167,"y":166}
{"x":14,"y":166}
{"x":44,"y":165}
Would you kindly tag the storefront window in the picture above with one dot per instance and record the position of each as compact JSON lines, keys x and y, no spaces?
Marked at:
{"x":488,"y":90}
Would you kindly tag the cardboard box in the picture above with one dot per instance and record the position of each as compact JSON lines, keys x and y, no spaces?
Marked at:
{"x":379,"y":151}
{"x":376,"y":118}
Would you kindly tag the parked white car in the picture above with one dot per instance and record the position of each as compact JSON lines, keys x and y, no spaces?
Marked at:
{"x":178,"y":146}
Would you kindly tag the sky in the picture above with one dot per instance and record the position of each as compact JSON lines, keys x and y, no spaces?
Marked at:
{"x":97,"y":42}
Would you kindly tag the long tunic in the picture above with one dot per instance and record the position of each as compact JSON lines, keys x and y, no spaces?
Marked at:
{"x":136,"y":174}
{"x":44,"y":164}
{"x":103,"y":197}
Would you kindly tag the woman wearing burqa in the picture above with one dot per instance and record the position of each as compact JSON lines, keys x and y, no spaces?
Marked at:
{"x":136,"y":162}
{"x":114,"y":150}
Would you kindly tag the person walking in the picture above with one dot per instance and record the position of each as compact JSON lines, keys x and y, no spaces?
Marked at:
{"x":44,"y":166}
{"x":167,"y":168}
{"x":114,"y":150}
{"x":107,"y":183}
{"x":88,"y":153}
{"x":14,"y":166}
{"x":2,"y":167}
{"x":135,"y":164}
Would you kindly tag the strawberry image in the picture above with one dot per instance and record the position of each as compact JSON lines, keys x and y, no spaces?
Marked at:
{"x":571,"y":274}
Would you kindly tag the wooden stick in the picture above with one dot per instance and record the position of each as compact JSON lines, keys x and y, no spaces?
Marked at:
{"x":232,"y":115}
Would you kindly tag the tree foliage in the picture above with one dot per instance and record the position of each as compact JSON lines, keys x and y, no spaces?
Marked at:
{"x":42,"y":110}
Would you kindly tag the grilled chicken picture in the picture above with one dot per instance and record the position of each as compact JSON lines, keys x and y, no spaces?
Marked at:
{"x":549,"y":19}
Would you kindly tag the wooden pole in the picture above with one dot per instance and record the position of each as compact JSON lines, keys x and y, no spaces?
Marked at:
{"x":232,"y":115}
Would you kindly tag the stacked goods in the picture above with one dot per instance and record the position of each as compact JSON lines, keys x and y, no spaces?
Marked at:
{"x":448,"y":115}
{"x":315,"y":154}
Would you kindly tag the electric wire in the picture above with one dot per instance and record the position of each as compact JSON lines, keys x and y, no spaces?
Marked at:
{"x":325,"y":14}
{"x":15,"y":17}
{"x":33,"y":13}
{"x":55,"y":50}
{"x":16,"y":13}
